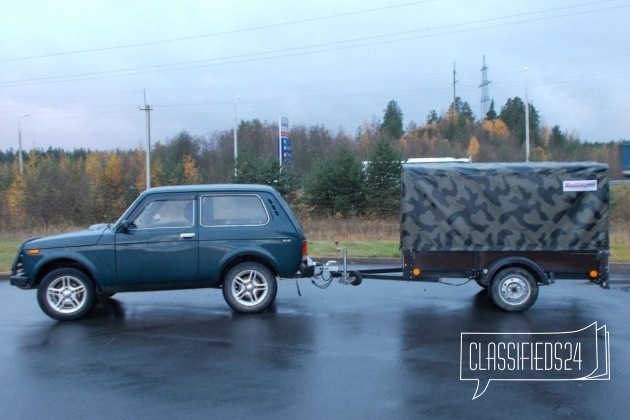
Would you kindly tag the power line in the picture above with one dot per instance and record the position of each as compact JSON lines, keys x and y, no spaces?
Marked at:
{"x":313,"y":49}
{"x":219,"y":33}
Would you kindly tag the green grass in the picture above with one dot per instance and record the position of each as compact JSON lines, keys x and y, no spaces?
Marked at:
{"x":374,"y":249}
{"x":386,"y":249}
{"x":620,"y":252}
{"x":8,"y":248}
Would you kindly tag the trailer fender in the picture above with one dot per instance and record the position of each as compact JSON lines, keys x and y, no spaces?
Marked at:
{"x":526,"y":263}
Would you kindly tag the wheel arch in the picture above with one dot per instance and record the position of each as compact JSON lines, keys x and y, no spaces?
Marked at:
{"x":517,"y":262}
{"x":53,"y":264}
{"x":247,"y":257}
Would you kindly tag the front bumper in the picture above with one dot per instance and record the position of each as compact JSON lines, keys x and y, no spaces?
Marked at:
{"x":21,"y":281}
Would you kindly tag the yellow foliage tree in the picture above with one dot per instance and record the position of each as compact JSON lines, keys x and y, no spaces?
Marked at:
{"x":111,"y":198}
{"x":473,"y":147}
{"x":500,"y":129}
{"x":496,"y":128}
{"x":16,"y":197}
{"x":191,"y":172}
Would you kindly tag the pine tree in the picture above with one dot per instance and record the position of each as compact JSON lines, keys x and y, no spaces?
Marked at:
{"x":392,"y":127}
{"x":383,"y":179}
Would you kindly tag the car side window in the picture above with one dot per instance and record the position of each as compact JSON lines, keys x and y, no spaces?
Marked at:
{"x":233,"y":210}
{"x":165,"y":213}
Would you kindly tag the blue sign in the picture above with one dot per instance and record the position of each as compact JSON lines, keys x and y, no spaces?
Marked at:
{"x":286,"y":150}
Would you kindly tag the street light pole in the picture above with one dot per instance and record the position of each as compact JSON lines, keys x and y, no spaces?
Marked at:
{"x":148,"y":109}
{"x":526,"y":119}
{"x":235,"y":138}
{"x":20,"y":143}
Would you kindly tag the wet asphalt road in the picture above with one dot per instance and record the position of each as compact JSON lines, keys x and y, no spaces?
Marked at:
{"x":381,"y":350}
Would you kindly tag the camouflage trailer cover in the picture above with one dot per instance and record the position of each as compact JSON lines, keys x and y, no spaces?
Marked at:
{"x":505,"y":206}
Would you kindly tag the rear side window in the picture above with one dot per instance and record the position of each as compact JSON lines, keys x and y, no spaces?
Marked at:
{"x":233,"y":210}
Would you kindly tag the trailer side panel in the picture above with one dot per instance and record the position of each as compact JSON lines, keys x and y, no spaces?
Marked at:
{"x":505,"y":207}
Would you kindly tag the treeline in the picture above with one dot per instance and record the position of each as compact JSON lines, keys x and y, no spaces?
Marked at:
{"x":331,"y":173}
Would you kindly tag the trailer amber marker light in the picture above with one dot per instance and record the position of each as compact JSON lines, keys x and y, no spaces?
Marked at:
{"x":416,"y":272}
{"x":593,"y":274}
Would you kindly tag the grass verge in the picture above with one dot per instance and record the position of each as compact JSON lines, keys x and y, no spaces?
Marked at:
{"x":8,"y":248}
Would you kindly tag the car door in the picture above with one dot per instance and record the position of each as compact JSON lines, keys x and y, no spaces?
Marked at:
{"x":159,"y":247}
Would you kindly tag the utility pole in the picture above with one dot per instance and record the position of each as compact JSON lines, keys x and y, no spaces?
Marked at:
{"x":235,"y":138}
{"x":148,"y":109}
{"x":454,"y":92}
{"x":20,"y":143}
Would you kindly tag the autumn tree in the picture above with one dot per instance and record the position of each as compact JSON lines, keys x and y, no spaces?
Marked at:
{"x":16,"y":199}
{"x":171,"y":154}
{"x":111,"y":191}
{"x":190,"y":171}
{"x":473,"y":147}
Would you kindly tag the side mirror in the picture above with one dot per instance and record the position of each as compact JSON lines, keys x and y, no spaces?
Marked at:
{"x":126,"y":226}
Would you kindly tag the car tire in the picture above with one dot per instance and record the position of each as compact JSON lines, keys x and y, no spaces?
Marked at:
{"x":66,"y":294}
{"x":249,"y":287}
{"x":514,"y":289}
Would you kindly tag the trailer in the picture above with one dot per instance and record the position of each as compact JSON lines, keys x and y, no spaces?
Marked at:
{"x":511,"y":227}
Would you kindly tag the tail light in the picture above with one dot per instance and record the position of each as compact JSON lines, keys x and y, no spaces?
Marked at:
{"x":304,"y":248}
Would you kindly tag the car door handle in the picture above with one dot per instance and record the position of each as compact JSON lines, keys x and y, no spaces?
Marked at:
{"x":187,"y":235}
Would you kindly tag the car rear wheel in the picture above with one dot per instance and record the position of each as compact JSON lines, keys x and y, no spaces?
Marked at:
{"x":66,"y":294}
{"x":249,"y":287}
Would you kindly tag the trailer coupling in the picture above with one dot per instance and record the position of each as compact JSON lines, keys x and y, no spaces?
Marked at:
{"x":322,"y":275}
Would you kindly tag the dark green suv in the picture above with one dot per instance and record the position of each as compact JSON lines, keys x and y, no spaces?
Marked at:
{"x":239,"y":238}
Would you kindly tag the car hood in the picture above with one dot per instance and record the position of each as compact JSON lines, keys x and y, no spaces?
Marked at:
{"x":86,"y":237}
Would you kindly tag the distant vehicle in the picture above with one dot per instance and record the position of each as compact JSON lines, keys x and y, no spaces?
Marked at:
{"x":439,"y":160}
{"x":429,"y":160}
{"x":238,"y":238}
{"x":625,"y":158}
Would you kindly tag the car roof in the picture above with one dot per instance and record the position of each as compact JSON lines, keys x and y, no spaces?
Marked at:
{"x":211,"y":188}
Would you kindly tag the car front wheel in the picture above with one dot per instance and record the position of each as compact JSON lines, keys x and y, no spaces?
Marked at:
{"x":249,"y":287}
{"x":66,"y":294}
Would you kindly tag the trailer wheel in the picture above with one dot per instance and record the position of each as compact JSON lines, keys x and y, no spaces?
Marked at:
{"x":484,"y":286}
{"x":514,"y":289}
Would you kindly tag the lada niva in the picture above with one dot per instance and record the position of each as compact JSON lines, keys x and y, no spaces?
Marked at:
{"x":239,"y":238}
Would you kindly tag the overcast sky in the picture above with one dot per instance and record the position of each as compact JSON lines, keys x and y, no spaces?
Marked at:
{"x":79,"y":68}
